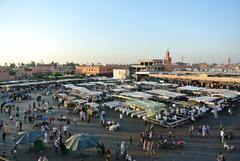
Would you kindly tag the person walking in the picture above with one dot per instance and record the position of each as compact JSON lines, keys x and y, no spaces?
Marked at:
{"x":56,"y":145}
{"x":215,"y":114}
{"x":54,"y":132}
{"x":98,"y":148}
{"x":40,"y":158}
{"x":148,"y":147}
{"x":199,"y":130}
{"x":191,"y":130}
{"x":45,"y":137}
{"x":208,"y":130}
{"x":102,"y":149}
{"x":9,"y":111}
{"x":1,"y":109}
{"x":121,"y":116}
{"x":65,"y":128}
{"x":222,"y":135}
{"x":204,"y":131}
{"x":145,"y":120}
{"x":230,"y":111}
{"x":220,"y":157}
{"x":4,"y":134}
{"x":108,"y":155}
{"x":68,"y":122}
{"x":118,"y":152}
{"x":6,"y":128}
{"x":17,"y":124}
{"x":17,"y":109}
{"x":20,"y":125}
{"x":14,"y":152}
{"x":130,"y":141}
{"x":152,"y":148}
{"x":11,"y":117}
{"x":123,"y":148}
{"x":60,"y":138}
{"x":75,"y":121}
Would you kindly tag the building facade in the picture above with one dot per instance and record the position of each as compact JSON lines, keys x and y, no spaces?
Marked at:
{"x":148,"y":65}
{"x":6,"y":73}
{"x":65,"y":69}
{"x":121,"y":74}
{"x":153,"y":65}
{"x":101,"y":70}
{"x":45,"y":68}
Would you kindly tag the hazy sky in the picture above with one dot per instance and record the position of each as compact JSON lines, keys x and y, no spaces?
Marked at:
{"x":119,"y":31}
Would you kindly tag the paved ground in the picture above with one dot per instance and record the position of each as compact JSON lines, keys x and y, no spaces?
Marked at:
{"x":196,"y":149}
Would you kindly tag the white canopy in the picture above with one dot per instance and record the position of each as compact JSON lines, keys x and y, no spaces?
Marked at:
{"x":204,"y":99}
{"x":93,"y":104}
{"x":79,"y":101}
{"x":82,"y":90}
{"x":119,"y":90}
{"x":222,"y":93}
{"x":190,"y":88}
{"x":166,"y":93}
{"x":142,"y":95}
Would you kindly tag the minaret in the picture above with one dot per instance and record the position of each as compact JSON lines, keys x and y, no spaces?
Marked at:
{"x":229,"y":61}
{"x":167,"y":61}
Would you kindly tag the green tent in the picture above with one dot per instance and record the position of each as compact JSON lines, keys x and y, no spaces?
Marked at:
{"x":151,"y":107}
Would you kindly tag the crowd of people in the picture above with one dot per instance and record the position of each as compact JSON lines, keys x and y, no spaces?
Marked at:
{"x":201,"y":130}
{"x":56,"y":136}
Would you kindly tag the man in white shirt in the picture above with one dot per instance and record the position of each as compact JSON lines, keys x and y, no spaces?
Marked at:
{"x":121,"y":116}
{"x":222,"y":134}
{"x":45,"y":137}
{"x":65,"y":129}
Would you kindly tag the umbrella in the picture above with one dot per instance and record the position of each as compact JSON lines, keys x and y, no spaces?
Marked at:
{"x":81,"y":141}
{"x":27,"y":137}
{"x":9,"y":104}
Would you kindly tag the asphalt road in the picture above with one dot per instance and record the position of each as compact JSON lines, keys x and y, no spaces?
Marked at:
{"x":196,"y":148}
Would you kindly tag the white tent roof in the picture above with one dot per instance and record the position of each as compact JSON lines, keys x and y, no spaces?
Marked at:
{"x":112,"y":103}
{"x":93,"y":104}
{"x":84,"y":84}
{"x":222,"y":93}
{"x":137,"y":95}
{"x":119,"y":90}
{"x":190,"y":88}
{"x":126,"y":86}
{"x":82,"y":89}
{"x":62,"y":94}
{"x":204,"y":99}
{"x":166,"y":93}
{"x":80,"y":101}
{"x":148,"y":83}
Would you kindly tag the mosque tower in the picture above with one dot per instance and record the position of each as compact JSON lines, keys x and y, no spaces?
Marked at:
{"x":167,"y":61}
{"x":229,"y":61}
